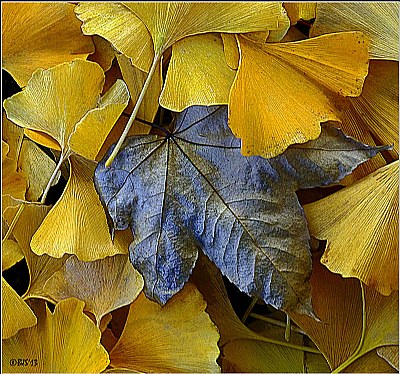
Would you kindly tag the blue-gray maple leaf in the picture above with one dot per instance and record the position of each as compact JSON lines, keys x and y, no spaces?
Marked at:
{"x":193,"y":190}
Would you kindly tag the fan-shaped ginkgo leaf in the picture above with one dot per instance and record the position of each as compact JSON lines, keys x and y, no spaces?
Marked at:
{"x":16,"y":314}
{"x":11,"y":253}
{"x":360,"y":224}
{"x":300,"y":11}
{"x":391,"y":354}
{"x":66,"y":98}
{"x":65,"y":341}
{"x":104,"y":285}
{"x":338,"y":304}
{"x":378,"y":105}
{"x":104,"y":53}
{"x":77,"y":224}
{"x":274,"y":81}
{"x":198,"y":74}
{"x":40,"y":35}
{"x":121,"y":27}
{"x":38,"y":166}
{"x":177,"y":337}
{"x":170,"y":22}
{"x":378,"y":20}
{"x":40,"y":267}
{"x":135,"y":78}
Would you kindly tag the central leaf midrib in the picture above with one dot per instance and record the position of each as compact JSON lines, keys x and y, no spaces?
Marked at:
{"x":237,"y":218}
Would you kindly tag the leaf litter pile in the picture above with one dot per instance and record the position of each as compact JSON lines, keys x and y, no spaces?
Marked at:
{"x":200,"y":187}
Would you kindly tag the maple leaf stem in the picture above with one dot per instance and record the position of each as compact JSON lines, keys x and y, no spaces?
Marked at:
{"x":135,"y":110}
{"x":356,"y":355}
{"x":63,"y":157}
{"x":13,"y":223}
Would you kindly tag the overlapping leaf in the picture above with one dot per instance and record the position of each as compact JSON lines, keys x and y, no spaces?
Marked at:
{"x":55,"y":344}
{"x":379,"y":20}
{"x":338,"y":303}
{"x":104,"y":285}
{"x":242,"y":212}
{"x":40,"y":35}
{"x":274,"y":81}
{"x":361,"y":225}
{"x":179,"y":337}
{"x":16,"y":314}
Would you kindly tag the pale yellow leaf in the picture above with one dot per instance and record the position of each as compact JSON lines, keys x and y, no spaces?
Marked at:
{"x":300,"y":11}
{"x":360,"y":224}
{"x":378,"y":20}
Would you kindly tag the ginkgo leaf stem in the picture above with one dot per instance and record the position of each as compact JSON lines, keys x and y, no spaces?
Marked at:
{"x":287,"y":328}
{"x":249,"y":309}
{"x":63,"y":157}
{"x":135,"y":110}
{"x":289,"y":345}
{"x":356,"y":354}
{"x":13,"y":222}
{"x":276,"y":323}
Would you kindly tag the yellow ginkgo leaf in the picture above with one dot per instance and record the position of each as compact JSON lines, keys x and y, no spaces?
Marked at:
{"x":391,"y":354}
{"x":38,"y":166}
{"x":198,"y":74}
{"x":65,"y":341}
{"x":16,"y":314}
{"x":378,"y":20}
{"x":11,"y":253}
{"x":274,"y":80}
{"x":104,"y":53}
{"x":14,"y":181}
{"x":338,"y":303}
{"x":360,"y":224}
{"x":378,"y":105}
{"x":135,"y":78}
{"x":40,"y":35}
{"x":231,"y":50}
{"x":26,"y":218}
{"x":92,"y":130}
{"x":121,"y":27}
{"x":77,"y":224}
{"x":104,"y":285}
{"x":178,"y":337}
{"x":42,"y":138}
{"x":58,"y":100}
{"x":300,"y":11}
{"x":170,"y":22}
